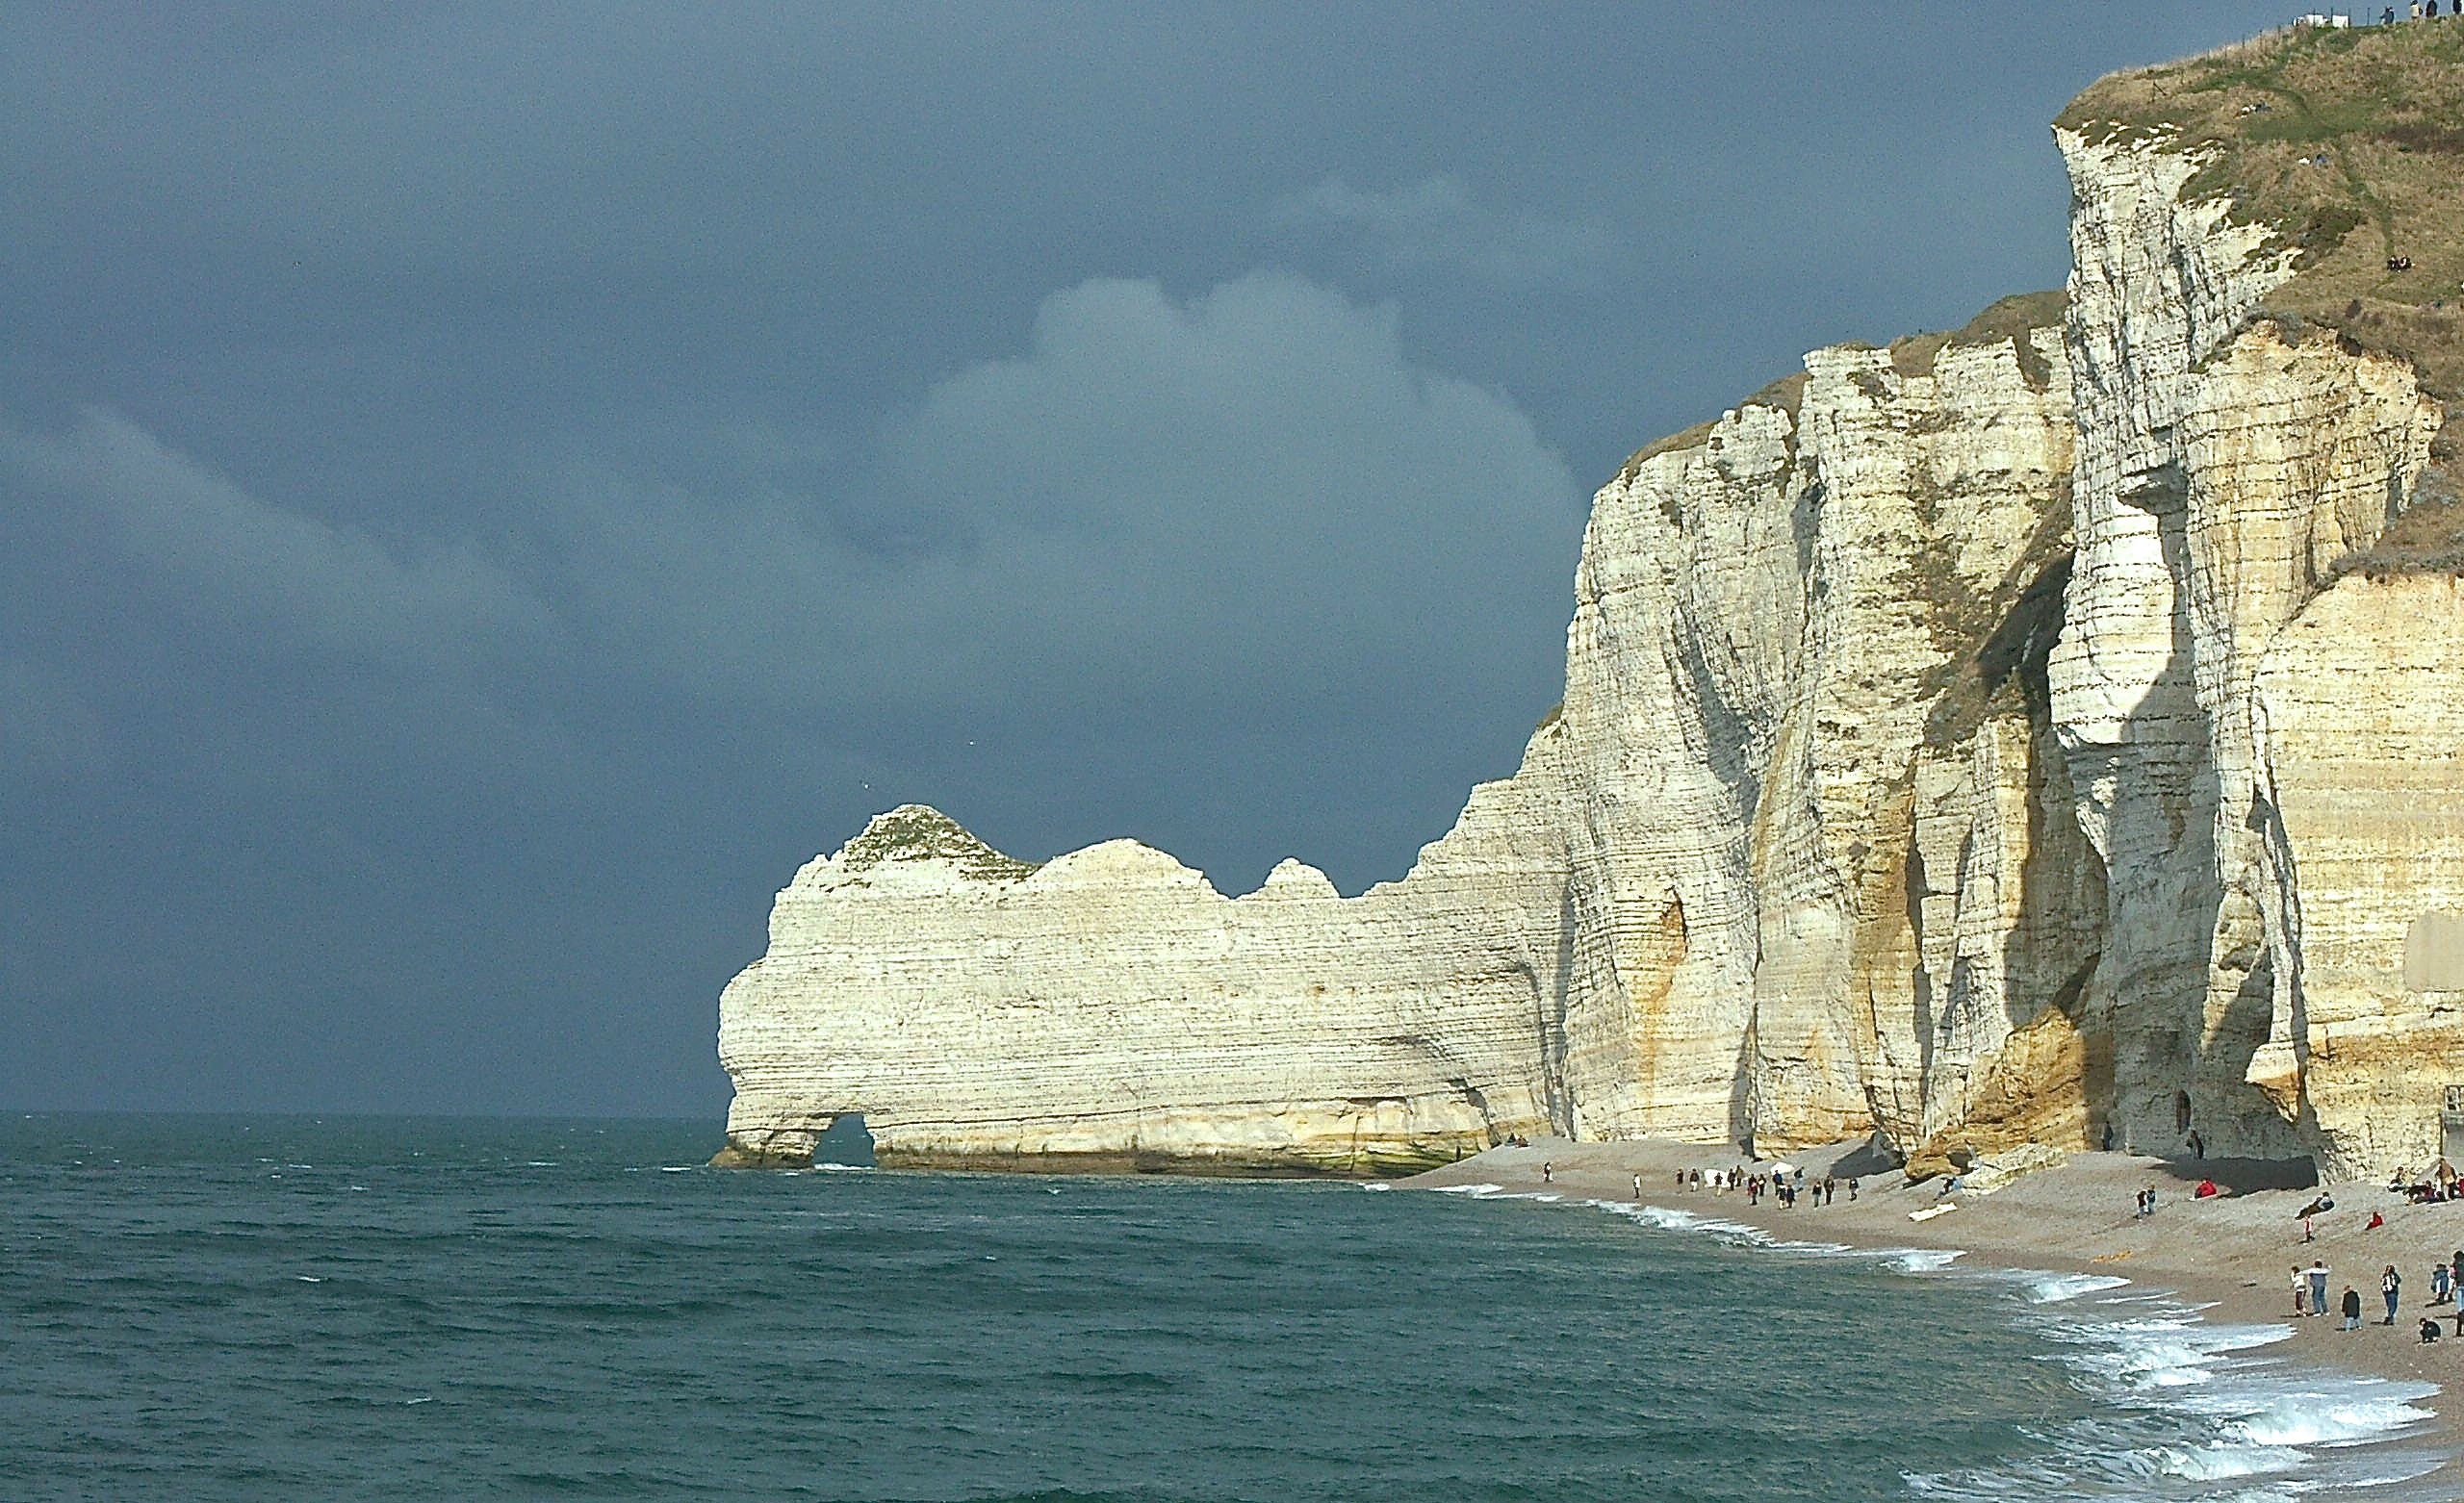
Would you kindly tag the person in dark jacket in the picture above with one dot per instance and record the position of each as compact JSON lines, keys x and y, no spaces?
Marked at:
{"x":2352,"y":1308}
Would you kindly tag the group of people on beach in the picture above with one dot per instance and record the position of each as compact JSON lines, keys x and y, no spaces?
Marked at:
{"x":1783,"y":1184}
{"x":2446,"y":1286}
{"x":2437,"y":1183}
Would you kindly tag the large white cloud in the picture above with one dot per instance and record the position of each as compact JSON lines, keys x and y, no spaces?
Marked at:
{"x":1254,"y":490}
{"x":1205,"y":507}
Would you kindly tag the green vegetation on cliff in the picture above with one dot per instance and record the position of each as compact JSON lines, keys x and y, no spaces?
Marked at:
{"x":2348,"y":143}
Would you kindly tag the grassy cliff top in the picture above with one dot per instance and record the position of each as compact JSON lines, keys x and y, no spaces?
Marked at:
{"x":2316,"y":131}
{"x":2349,"y":144}
{"x":920,"y":832}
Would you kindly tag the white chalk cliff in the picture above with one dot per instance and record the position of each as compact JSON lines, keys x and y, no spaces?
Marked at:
{"x":1970,"y":741}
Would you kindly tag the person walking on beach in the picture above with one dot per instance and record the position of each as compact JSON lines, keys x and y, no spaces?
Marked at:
{"x":1639,"y":1187}
{"x":2352,"y":1308}
{"x":2319,"y":1287}
{"x":1548,"y":1173}
{"x":2390,"y":1284}
{"x":2301,"y":1293}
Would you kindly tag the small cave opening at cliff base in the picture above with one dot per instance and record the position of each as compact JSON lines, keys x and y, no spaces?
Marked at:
{"x":845,"y":1142}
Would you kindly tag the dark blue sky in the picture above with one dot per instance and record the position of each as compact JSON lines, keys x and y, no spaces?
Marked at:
{"x":486,"y":491}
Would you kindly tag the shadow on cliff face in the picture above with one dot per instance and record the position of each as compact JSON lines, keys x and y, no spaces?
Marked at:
{"x":845,"y":1142}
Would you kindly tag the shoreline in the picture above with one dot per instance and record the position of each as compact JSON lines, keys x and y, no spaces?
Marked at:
{"x":2227,"y":1259}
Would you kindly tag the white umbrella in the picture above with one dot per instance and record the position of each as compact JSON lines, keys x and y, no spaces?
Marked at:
{"x":1780,"y":1167}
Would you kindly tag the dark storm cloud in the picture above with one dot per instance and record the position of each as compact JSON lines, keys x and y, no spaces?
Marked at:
{"x":194,"y":534}
{"x":485,"y":491}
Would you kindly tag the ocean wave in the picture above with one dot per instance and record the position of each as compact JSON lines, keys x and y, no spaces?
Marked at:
{"x":2052,"y":1289}
{"x":2186,"y":1412}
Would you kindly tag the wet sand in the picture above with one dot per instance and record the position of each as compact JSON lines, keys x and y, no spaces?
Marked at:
{"x":2234,"y":1252}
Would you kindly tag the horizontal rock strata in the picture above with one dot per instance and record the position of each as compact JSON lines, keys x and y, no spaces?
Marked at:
{"x":1979,"y":742}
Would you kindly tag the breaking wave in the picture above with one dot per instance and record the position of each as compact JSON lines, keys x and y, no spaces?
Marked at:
{"x":2186,"y":1408}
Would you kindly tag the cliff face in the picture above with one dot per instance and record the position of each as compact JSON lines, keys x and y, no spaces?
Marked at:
{"x":1971,"y":740}
{"x":2358,"y":740}
{"x":1699,"y":909}
{"x":2222,"y":469}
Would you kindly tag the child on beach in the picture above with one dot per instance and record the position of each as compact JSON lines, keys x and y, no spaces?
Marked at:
{"x":2352,"y":1308}
{"x":2301,"y":1293}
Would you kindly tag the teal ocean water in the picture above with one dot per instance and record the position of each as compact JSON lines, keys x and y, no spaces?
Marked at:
{"x":279,"y":1307}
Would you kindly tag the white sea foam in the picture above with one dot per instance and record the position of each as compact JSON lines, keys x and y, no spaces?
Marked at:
{"x":1467,"y":1189}
{"x":2052,"y":1289}
{"x":2188,"y":1409}
{"x":1377,"y":1184}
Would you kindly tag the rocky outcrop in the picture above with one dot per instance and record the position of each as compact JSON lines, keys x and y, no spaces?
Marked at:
{"x":1699,"y":909}
{"x":1981,"y":741}
{"x":1110,"y":1009}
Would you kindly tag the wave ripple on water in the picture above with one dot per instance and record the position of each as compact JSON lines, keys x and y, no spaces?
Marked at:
{"x":241,"y":1309}
{"x":2184,"y":1408}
